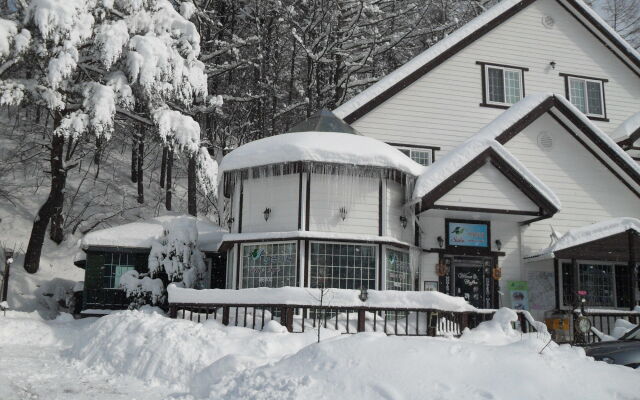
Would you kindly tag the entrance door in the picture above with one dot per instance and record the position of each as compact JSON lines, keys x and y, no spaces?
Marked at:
{"x":218,"y":271}
{"x":470,"y":280}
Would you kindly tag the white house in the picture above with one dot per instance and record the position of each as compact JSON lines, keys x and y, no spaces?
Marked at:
{"x":525,"y":196}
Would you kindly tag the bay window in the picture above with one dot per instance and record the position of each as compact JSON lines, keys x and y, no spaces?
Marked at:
{"x":342,"y":265}
{"x":269,"y":264}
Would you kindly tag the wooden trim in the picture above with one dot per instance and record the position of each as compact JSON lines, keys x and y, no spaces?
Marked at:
{"x":442,"y":57}
{"x":308,"y":203}
{"x":238,"y":263}
{"x":632,"y":267}
{"x":240,"y":206}
{"x":556,"y":282}
{"x":227,"y":244}
{"x":492,"y":64}
{"x":416,"y":146}
{"x":500,"y":106}
{"x":379,"y":267}
{"x":300,"y":202}
{"x":567,"y":75}
{"x":525,"y":121}
{"x":485,"y":210}
{"x":460,"y":252}
{"x":380,"y":208}
{"x":307,"y":268}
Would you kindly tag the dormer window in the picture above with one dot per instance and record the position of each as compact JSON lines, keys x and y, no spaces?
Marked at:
{"x":502,"y":85}
{"x":587,"y":94}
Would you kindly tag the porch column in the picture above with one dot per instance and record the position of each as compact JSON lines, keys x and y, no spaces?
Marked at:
{"x":632,"y":267}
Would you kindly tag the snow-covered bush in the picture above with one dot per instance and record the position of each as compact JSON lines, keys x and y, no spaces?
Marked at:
{"x":142,"y":289}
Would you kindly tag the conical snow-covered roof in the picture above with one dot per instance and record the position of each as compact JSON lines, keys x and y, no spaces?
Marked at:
{"x":324,"y":121}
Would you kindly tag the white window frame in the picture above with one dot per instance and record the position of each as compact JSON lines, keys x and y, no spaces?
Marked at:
{"x":242,"y":245}
{"x":412,"y":150}
{"x":504,"y":69}
{"x":586,"y":95}
{"x":377,"y":284}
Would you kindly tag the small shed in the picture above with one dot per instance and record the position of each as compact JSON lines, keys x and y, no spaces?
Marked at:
{"x":113,"y":251}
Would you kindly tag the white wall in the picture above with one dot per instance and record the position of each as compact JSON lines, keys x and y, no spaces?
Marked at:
{"x":360,"y":196}
{"x":487,"y":188}
{"x":280,"y":194}
{"x":442,"y":108}
{"x":589,"y":192}
{"x":395,"y":201}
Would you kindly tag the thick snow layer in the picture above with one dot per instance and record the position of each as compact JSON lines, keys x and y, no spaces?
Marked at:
{"x":423,"y":58}
{"x":630,"y":126}
{"x":144,"y":355}
{"x":143,"y":234}
{"x":235,"y":237}
{"x":328,"y":147}
{"x":308,"y":296}
{"x":589,"y":233}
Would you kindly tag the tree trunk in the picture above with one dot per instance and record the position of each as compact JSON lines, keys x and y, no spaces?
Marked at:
{"x":191,"y":186}
{"x":134,"y":159}
{"x":163,"y":166}
{"x":168,"y":172}
{"x":52,"y":206}
{"x":139,"y":162}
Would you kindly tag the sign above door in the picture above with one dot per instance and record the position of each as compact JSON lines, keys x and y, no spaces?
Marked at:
{"x":467,"y":234}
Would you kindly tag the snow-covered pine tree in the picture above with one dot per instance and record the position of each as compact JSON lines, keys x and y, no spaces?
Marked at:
{"x":85,"y":61}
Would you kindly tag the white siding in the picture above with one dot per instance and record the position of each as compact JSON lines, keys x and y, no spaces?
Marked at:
{"x":360,"y":197}
{"x":395,"y":201}
{"x":487,"y":188}
{"x":280,"y":194}
{"x":442,"y":107}
{"x":589,"y":192}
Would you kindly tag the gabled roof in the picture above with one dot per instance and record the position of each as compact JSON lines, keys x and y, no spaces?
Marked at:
{"x":324,"y":121}
{"x":628,"y":132}
{"x":424,"y":62}
{"x":460,"y":162}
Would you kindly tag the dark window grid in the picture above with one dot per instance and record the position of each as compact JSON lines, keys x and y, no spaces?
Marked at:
{"x":342,"y":266}
{"x":599,"y":282}
{"x":496,"y":85}
{"x":275,"y":268}
{"x":111,"y":263}
{"x":398,"y":272}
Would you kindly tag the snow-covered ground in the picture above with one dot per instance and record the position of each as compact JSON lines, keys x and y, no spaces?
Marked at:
{"x":144,"y":355}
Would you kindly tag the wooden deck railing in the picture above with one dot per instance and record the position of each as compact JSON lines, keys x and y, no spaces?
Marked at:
{"x":604,"y":321}
{"x":299,"y":318}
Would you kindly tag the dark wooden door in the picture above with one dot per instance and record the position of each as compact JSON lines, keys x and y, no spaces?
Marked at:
{"x":218,"y":271}
{"x":469,"y":280}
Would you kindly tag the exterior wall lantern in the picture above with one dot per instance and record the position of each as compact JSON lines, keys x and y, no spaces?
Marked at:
{"x":267,"y":213}
{"x":230,"y":222}
{"x":553,"y":64}
{"x":363,"y":296}
{"x":498,"y":244}
{"x":343,"y":213}
{"x":403,"y":221}
{"x":440,"y":241}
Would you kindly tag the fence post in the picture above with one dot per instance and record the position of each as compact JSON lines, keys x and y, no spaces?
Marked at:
{"x":464,"y":321}
{"x":361,"y":318}
{"x":286,"y":318}
{"x":225,"y":315}
{"x":173,"y":311}
{"x":524,"y":327}
{"x":432,"y":323}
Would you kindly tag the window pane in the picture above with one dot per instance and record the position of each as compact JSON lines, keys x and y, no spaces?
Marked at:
{"x":496,"y":85}
{"x":349,"y":266}
{"x":594,"y":98}
{"x":421,"y":157}
{"x":513,"y":83}
{"x":398,"y":270}
{"x":268,"y":265}
{"x":577,"y":94}
{"x":598,"y":281}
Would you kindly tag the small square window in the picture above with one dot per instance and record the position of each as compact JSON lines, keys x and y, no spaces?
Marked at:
{"x":503,"y":86}
{"x":587,"y":95}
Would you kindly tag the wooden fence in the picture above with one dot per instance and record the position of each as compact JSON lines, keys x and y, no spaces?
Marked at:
{"x":299,"y":318}
{"x":604,"y":321}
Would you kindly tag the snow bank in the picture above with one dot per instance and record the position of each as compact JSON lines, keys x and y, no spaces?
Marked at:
{"x":329,"y":147}
{"x":308,"y":296}
{"x":143,"y":234}
{"x":589,"y":233}
{"x":152,"y":347}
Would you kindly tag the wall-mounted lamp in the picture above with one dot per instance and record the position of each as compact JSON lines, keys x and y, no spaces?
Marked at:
{"x":363,"y":296}
{"x":553,"y":64}
{"x":403,"y":221}
{"x":230,"y":222}
{"x":343,"y":213}
{"x":440,"y":241}
{"x":266,"y":213}
{"x":498,"y":244}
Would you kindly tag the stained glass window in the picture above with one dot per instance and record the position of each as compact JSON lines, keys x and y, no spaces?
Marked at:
{"x":398,"y":270}
{"x":269,"y":264}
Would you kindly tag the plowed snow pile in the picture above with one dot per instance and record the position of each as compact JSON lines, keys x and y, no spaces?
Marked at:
{"x":145,"y":355}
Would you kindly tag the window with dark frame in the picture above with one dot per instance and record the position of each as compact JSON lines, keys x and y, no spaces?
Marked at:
{"x":502,"y":85}
{"x":587,"y":95}
{"x":116,"y":264}
{"x":607,"y":284}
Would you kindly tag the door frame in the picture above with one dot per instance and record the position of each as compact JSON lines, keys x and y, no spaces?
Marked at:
{"x":447,"y":282}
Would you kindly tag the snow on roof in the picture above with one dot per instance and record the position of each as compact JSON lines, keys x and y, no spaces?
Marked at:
{"x":453,"y":39}
{"x":328,"y":147}
{"x":309,"y":296}
{"x":630,"y":126}
{"x":589,"y":233}
{"x":142,"y":234}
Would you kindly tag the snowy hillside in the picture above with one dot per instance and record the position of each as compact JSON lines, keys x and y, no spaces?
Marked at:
{"x":144,"y":355}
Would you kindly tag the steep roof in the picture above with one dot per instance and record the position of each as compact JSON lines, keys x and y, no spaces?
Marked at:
{"x":424,"y":62}
{"x":628,"y":132}
{"x":489,"y":140}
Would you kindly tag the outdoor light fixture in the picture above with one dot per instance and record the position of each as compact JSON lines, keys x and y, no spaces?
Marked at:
{"x":363,"y":294}
{"x":440,"y":241}
{"x":553,"y":64}
{"x":498,"y":244}
{"x":267,"y":213}
{"x":403,"y":221}
{"x":230,"y":222}
{"x":343,"y":213}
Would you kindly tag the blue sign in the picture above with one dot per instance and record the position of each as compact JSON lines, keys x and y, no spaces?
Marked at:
{"x":468,"y":235}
